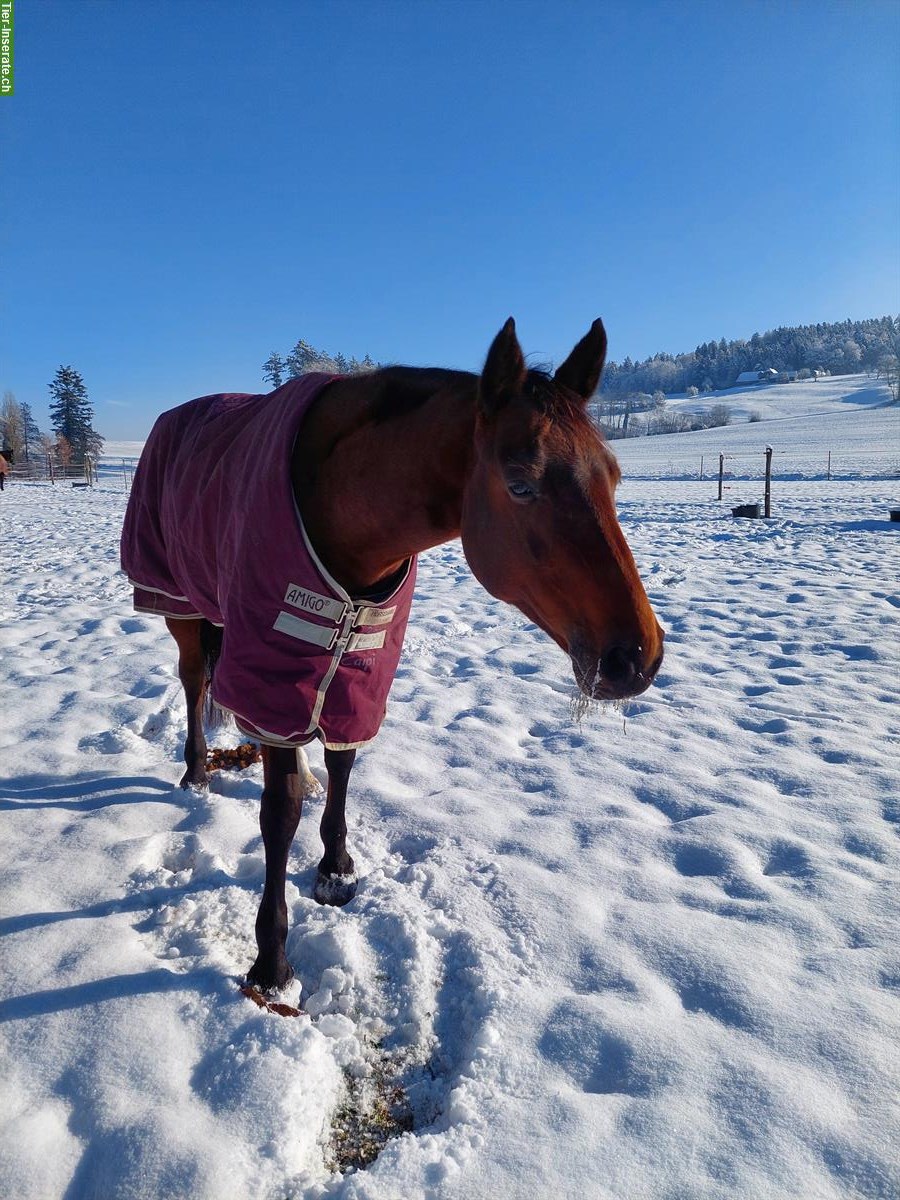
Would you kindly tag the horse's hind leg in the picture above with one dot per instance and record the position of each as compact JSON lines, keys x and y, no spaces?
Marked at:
{"x":192,"y":673}
{"x":282,"y":801}
{"x":336,"y":879}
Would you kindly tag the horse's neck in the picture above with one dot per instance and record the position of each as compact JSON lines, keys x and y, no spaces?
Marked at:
{"x":374,"y":490}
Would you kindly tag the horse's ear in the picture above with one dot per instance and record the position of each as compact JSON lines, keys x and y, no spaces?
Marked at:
{"x":582,"y":369}
{"x":504,"y":370}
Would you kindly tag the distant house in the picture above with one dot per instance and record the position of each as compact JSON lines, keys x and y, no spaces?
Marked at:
{"x":760,"y":375}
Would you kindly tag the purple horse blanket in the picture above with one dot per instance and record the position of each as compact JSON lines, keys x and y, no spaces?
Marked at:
{"x":212,"y":530}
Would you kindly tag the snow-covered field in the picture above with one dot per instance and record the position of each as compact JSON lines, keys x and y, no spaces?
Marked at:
{"x":641,"y":956}
{"x":846,"y":416}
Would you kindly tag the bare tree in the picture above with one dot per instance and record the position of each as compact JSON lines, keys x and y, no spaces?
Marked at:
{"x":12,"y":428}
{"x":889,"y":371}
{"x":889,"y":364}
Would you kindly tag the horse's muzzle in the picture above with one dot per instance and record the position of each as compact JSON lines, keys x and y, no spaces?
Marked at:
{"x":622,"y":670}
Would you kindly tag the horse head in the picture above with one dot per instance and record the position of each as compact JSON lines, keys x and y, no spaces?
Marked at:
{"x":539,"y":524}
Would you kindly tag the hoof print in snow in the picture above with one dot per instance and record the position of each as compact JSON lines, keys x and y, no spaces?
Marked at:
{"x":336,"y":890}
{"x":375,"y":1110}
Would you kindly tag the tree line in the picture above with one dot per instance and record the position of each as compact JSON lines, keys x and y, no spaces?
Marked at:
{"x":303,"y":359}
{"x":72,"y":438}
{"x":843,"y":348}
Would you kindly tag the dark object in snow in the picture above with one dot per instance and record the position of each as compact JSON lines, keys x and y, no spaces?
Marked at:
{"x":746,"y":510}
{"x":895,"y":514}
{"x":366,"y":472}
{"x":237,"y":759}
{"x":273,"y":1006}
{"x":81,"y":483}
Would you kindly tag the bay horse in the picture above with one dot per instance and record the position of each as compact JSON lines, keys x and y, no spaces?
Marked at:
{"x":375,"y":469}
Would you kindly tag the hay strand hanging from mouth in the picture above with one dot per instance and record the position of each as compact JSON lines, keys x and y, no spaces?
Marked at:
{"x":582,"y":706}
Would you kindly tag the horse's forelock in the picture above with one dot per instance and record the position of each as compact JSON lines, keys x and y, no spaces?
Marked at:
{"x":573,"y":436}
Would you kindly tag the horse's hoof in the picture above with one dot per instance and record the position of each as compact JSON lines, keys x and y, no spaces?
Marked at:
{"x":336,"y":890}
{"x":268,"y":979}
{"x":194,"y":785}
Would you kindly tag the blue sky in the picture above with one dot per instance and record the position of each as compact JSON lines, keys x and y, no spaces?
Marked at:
{"x":189,"y":185}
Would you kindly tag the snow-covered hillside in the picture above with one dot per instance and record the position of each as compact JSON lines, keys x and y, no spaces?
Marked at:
{"x":849,"y":417}
{"x":802,"y":398}
{"x":636,"y":956}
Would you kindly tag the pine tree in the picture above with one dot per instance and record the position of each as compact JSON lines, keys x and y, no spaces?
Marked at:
{"x":300,"y":359}
{"x":274,"y":369}
{"x":32,"y":435}
{"x":71,"y":414}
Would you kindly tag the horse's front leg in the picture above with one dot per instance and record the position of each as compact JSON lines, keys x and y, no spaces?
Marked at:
{"x":336,"y":880}
{"x":192,"y":673}
{"x":279,"y":816}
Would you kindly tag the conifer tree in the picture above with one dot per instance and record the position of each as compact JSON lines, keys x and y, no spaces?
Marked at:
{"x":71,"y":414}
{"x":274,"y":369}
{"x":32,"y":435}
{"x":300,"y":359}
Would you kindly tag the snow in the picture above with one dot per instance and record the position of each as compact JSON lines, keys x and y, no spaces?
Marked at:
{"x":848,"y":417}
{"x":801,"y":398}
{"x":649,"y":954}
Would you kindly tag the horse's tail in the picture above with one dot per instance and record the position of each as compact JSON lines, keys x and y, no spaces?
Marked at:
{"x":211,"y":645}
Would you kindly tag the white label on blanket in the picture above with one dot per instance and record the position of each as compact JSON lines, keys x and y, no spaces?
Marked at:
{"x":305,"y":631}
{"x":312,"y":602}
{"x":366,"y":641}
{"x":375,"y":616}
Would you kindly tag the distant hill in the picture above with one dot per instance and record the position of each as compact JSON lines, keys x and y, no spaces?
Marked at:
{"x":844,"y":348}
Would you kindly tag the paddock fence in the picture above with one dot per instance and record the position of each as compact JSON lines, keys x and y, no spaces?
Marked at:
{"x":82,"y":472}
{"x":639,"y":462}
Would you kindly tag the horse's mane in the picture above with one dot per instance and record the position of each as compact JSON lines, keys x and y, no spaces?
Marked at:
{"x":401,"y":390}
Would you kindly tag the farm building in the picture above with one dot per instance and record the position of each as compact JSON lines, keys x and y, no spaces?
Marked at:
{"x":759,"y":376}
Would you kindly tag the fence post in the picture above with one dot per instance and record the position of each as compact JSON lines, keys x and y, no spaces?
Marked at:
{"x":768,"y":494}
{"x":701,"y":466}
{"x":50,"y":468}
{"x":721,"y":473}
{"x":829,"y":464}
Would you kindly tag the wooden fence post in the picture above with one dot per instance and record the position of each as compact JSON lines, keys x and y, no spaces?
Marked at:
{"x":721,"y":473}
{"x":701,"y":466}
{"x":829,"y":464}
{"x":768,"y":494}
{"x":50,"y":468}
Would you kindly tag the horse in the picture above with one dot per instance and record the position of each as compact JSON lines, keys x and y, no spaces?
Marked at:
{"x":374,"y":469}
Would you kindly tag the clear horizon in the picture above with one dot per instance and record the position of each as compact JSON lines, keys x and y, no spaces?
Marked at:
{"x":189,"y":188}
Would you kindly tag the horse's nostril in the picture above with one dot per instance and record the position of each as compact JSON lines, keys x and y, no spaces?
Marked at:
{"x":619,"y":665}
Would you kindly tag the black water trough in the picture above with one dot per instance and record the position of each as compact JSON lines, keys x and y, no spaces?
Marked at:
{"x":747,"y":510}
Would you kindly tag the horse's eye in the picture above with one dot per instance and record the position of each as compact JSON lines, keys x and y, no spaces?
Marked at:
{"x":521,"y":490}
